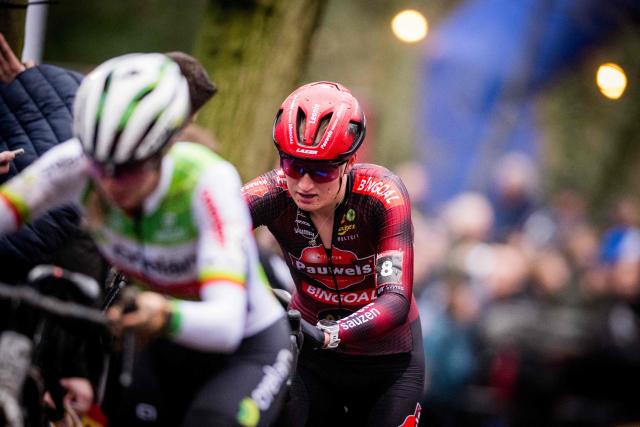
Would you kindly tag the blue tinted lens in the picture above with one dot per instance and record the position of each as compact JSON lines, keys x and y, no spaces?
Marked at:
{"x":319,"y":172}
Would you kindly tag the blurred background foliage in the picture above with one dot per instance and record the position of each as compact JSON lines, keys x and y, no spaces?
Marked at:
{"x":352,"y":44}
{"x":592,"y":142}
{"x":589,"y":142}
{"x":12,"y":19}
{"x":85,"y":33}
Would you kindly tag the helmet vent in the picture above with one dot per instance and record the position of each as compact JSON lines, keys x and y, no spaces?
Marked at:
{"x":355,"y":129}
{"x":128,"y":113}
{"x":301,"y":126}
{"x":101,"y":102}
{"x":147,"y":130}
{"x":322,"y":129}
{"x":276,"y":122}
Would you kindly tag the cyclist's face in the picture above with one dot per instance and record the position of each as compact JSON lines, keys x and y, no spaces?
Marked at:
{"x":311,"y":195}
{"x":128,"y":187}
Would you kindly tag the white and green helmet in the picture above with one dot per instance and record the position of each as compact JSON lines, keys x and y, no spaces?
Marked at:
{"x":129,"y":108}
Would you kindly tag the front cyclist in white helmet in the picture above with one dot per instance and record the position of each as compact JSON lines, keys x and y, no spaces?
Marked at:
{"x":170,"y":216}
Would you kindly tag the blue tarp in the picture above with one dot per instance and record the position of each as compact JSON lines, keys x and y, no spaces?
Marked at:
{"x":482,"y":69}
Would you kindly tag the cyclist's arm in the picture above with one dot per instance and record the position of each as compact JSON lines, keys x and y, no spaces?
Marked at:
{"x":394,"y":276}
{"x":55,"y":179}
{"x":216,"y":323}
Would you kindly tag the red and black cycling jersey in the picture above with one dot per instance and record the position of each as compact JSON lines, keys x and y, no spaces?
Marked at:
{"x":365,"y":279}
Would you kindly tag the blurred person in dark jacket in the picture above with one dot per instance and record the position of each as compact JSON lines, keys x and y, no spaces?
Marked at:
{"x":35,"y":115}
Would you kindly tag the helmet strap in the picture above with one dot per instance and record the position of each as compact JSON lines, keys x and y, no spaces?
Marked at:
{"x":340,"y":184}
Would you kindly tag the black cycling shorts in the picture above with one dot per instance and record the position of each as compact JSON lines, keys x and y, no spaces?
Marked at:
{"x":175,"y":386}
{"x":331,"y":389}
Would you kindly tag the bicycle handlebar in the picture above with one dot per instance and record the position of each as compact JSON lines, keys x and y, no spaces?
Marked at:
{"x":53,"y":306}
{"x":313,"y":334}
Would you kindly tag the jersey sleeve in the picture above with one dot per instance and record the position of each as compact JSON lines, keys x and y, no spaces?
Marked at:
{"x":216,"y":323}
{"x":55,"y":179}
{"x":394,"y":269}
{"x":266,"y":197}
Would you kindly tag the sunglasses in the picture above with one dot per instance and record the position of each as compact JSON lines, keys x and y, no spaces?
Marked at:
{"x":124,"y":172}
{"x":320,"y":172}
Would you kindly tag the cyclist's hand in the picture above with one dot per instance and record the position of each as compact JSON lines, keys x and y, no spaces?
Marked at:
{"x":5,"y":161}
{"x":148,"y":319}
{"x":77,"y":400}
{"x":79,"y":394}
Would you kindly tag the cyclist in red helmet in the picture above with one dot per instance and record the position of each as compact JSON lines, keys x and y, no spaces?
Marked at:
{"x":346,"y":234}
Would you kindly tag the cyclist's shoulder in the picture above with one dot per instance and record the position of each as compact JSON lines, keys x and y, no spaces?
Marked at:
{"x":196,"y":163}
{"x":194,"y":154}
{"x":271,"y":182}
{"x":374,"y":170}
{"x":380,"y":183}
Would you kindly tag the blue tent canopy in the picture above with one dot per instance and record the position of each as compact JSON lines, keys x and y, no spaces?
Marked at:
{"x":482,"y":69}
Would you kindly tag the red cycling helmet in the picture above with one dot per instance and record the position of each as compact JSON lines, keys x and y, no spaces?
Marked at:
{"x":319,"y":121}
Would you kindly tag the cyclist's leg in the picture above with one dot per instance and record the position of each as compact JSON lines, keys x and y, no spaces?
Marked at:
{"x":314,"y":398}
{"x":398,"y":405}
{"x":250,"y":389}
{"x":305,"y":397}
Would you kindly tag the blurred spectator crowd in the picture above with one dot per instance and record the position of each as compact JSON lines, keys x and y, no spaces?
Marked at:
{"x":529,"y":310}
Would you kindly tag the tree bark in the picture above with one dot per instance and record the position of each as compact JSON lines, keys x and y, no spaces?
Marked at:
{"x":256,"y":52}
{"x":12,"y":19}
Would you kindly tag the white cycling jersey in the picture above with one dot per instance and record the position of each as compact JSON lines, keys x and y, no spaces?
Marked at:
{"x":192,"y":239}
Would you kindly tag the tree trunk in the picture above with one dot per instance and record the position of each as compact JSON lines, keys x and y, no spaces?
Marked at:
{"x":256,"y":52}
{"x":12,"y":18}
